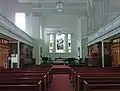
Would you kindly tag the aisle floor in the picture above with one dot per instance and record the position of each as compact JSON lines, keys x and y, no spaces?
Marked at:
{"x":61,"y":82}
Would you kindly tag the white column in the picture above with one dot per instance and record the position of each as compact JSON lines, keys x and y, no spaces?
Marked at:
{"x":54,"y":47}
{"x":18,"y":58}
{"x":102,"y":53}
{"x":41,"y":28}
{"x":79,"y":42}
{"x":66,"y":45}
{"x":36,"y":36}
{"x":29,"y":24}
{"x":106,"y":6}
{"x":89,"y":11}
{"x":36,"y":26}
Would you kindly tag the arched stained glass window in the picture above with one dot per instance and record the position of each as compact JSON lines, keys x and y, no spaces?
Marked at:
{"x":51,"y":43}
{"x":60,"y":43}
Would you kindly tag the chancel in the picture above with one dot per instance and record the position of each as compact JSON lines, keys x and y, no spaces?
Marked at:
{"x":59,"y":45}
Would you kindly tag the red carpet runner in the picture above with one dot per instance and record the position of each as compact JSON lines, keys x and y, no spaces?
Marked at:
{"x":61,"y":82}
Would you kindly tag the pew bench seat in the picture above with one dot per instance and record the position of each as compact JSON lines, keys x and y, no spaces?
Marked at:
{"x":25,"y":81}
{"x":101,"y":87}
{"x":30,"y":85}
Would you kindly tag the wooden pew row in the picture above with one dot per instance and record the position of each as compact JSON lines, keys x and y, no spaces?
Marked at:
{"x":12,"y":79}
{"x":27,"y":75}
{"x":83,"y":69}
{"x":94,"y":72}
{"x":92,"y":69}
{"x":33,"y":73}
{"x":86,"y":70}
{"x":82,"y":76}
{"x":90,"y":73}
{"x":17,"y":74}
{"x":28,"y":72}
{"x":111,"y":86}
{"x":96,"y":79}
{"x":31,"y":70}
{"x":27,"y":69}
{"x":75,"y":68}
{"x":21,"y":85}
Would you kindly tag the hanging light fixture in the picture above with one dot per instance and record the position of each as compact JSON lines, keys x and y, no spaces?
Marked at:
{"x":59,"y":6}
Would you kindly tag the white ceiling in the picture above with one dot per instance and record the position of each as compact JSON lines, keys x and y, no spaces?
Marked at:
{"x":76,"y":7}
{"x":49,"y":6}
{"x":51,"y":1}
{"x":70,"y":6}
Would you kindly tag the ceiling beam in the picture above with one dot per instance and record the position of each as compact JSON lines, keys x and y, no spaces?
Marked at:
{"x":51,"y":1}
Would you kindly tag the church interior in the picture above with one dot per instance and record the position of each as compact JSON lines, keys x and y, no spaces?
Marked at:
{"x":59,"y":45}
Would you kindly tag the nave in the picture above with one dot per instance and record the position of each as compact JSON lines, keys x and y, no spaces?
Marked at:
{"x":59,"y":45}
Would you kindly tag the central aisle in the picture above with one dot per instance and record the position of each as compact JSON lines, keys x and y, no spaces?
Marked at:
{"x":61,"y":82}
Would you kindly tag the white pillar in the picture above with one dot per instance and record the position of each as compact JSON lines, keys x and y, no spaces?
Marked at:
{"x":29,"y":24}
{"x":79,"y":42}
{"x":106,"y":6}
{"x":36,"y":36}
{"x":66,"y":45}
{"x":102,"y":53}
{"x":54,"y":47}
{"x":89,"y":10}
{"x":18,"y":58}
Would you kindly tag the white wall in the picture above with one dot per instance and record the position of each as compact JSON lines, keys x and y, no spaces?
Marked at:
{"x":1,"y":2}
{"x":64,"y":24}
{"x":115,"y":14}
{"x":29,"y":24}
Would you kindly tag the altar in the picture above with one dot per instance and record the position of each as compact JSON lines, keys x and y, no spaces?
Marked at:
{"x":59,"y":61}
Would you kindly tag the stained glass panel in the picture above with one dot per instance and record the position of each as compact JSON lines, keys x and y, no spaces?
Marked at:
{"x":69,"y":43}
{"x":60,"y":43}
{"x":51,"y":43}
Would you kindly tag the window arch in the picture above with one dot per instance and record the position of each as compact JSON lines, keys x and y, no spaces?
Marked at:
{"x":60,"y":43}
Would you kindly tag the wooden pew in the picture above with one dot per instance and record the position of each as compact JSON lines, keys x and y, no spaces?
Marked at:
{"x":21,"y":85}
{"x":101,"y":86}
{"x":31,"y":70}
{"x":26,"y":69}
{"x":43,"y":69}
{"x":33,"y":73}
{"x":24,"y":75}
{"x":24,"y":81}
{"x":96,"y":79}
{"x":95,"y":71}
